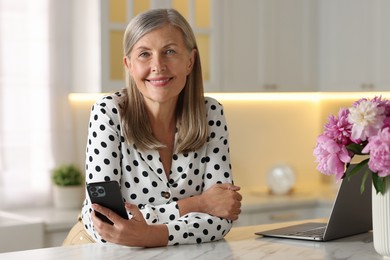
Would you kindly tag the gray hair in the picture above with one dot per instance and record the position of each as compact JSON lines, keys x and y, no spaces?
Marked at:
{"x":190,"y":109}
{"x":154,"y":19}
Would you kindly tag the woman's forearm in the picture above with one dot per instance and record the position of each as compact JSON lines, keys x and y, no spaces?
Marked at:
{"x":221,"y":200}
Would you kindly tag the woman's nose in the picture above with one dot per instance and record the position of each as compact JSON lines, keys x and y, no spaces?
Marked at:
{"x":158,"y":64}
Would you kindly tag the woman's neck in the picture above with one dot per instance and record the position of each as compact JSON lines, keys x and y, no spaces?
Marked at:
{"x":163,"y":123}
{"x":162,"y":116}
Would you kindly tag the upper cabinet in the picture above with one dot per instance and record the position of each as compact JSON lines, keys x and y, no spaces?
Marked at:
{"x":266,"y":45}
{"x":354,"y":43}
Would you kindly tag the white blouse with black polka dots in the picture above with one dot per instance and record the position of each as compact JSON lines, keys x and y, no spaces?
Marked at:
{"x":142,"y":178}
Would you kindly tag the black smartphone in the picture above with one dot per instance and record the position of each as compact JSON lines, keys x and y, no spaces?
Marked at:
{"x":107,"y":194}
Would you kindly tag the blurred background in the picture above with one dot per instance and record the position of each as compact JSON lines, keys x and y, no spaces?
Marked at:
{"x":292,"y":63}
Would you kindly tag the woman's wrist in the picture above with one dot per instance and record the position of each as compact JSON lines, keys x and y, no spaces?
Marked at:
{"x":156,"y":236}
{"x":191,"y":204}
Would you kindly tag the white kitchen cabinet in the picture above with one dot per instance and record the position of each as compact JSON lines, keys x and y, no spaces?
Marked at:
{"x":55,"y":237}
{"x":20,"y":232}
{"x":354,"y":40}
{"x":290,"y":54}
{"x":248,"y":45}
{"x":56,"y":223}
{"x":268,"y":45}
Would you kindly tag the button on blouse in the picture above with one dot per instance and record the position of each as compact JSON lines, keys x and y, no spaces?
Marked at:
{"x":165,"y":194}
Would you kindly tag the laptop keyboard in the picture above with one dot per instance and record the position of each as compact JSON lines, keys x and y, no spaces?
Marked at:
{"x":315,"y":232}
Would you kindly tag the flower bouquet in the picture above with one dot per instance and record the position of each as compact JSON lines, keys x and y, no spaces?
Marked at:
{"x":363,"y":129}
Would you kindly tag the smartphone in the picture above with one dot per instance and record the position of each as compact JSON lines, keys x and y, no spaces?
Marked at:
{"x":107,"y":194}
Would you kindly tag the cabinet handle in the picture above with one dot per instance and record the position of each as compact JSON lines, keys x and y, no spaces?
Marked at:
{"x":283,"y":217}
{"x":271,"y":87}
{"x":369,"y":86}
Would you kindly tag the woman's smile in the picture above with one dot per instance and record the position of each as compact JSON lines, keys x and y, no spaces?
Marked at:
{"x":159,"y":81}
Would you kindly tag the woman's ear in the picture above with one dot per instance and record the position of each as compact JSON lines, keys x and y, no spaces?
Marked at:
{"x":127,"y":63}
{"x":191,"y":61}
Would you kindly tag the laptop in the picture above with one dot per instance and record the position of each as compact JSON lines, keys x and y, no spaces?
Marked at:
{"x":351,"y":215}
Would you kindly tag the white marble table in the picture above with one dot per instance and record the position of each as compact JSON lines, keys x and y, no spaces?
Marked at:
{"x":240,"y":243}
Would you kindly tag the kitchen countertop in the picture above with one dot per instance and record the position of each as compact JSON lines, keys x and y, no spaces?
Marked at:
{"x":240,"y":243}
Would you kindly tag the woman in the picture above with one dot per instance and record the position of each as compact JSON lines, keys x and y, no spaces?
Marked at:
{"x":163,"y":142}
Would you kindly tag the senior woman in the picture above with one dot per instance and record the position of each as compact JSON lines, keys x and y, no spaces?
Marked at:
{"x":163,"y":142}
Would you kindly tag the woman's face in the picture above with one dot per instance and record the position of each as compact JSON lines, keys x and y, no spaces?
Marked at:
{"x":159,"y":64}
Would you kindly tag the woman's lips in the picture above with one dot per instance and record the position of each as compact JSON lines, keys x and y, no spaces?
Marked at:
{"x":159,"y":82}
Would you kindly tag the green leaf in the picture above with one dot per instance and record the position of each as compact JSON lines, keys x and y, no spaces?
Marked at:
{"x":363,"y":184}
{"x":357,"y":148}
{"x":350,"y":172}
{"x":379,"y":183}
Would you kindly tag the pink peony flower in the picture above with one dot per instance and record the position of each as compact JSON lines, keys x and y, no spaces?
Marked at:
{"x":386,"y":122}
{"x":367,"y":118}
{"x":331,"y":156}
{"x":339,"y":129}
{"x":383,"y":103}
{"x":379,"y":149}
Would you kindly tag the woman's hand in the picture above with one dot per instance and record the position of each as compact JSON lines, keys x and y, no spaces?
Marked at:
{"x":132,"y":232}
{"x":222,"y":200}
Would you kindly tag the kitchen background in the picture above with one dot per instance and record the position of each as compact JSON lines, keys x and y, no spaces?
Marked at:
{"x":289,"y":64}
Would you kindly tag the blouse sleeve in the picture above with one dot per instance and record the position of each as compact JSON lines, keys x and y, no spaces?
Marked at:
{"x":102,"y":155}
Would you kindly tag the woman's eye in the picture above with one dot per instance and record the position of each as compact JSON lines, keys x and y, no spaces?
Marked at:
{"x":143,"y":55}
{"x":170,"y":51}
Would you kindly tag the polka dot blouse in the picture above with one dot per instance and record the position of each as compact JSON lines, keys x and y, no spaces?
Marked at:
{"x":142,"y":178}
